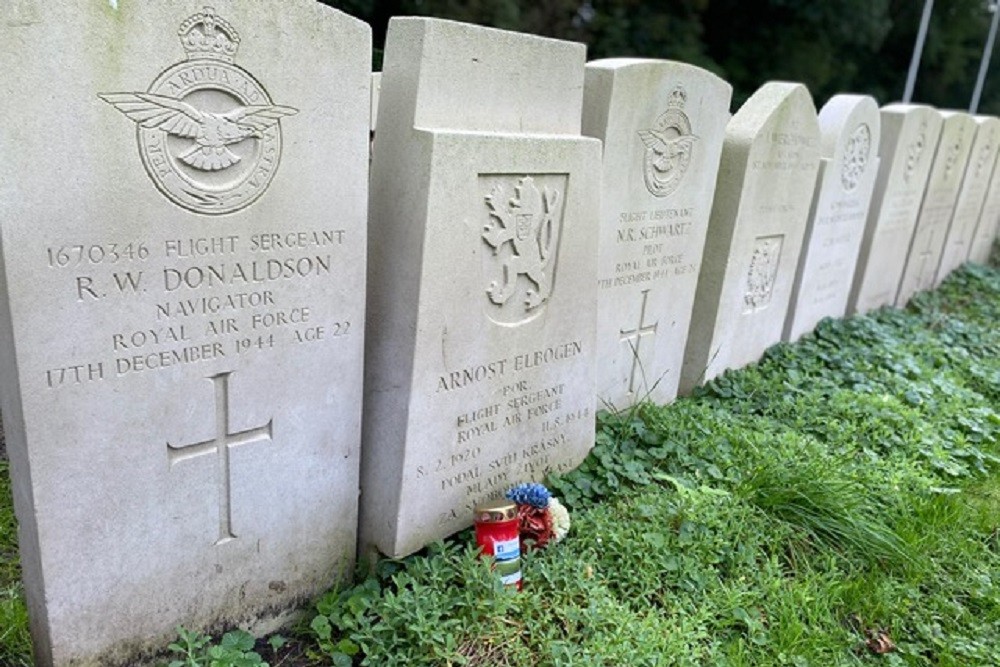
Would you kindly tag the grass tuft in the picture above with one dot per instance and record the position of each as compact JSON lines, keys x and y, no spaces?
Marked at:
{"x":819,"y":499}
{"x":15,"y":641}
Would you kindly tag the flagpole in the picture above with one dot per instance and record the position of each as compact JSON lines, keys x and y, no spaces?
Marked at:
{"x":918,"y":50}
{"x":984,"y":65}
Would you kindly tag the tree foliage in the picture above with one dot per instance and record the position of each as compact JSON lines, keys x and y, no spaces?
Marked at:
{"x":832,"y":46}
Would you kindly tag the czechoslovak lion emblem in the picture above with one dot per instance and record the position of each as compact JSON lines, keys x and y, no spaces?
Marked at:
{"x":209,"y":136}
{"x":522,"y":235}
{"x":668,"y":147}
{"x":763,"y":272}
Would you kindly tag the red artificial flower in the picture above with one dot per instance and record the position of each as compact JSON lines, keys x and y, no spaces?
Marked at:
{"x":535,"y":525}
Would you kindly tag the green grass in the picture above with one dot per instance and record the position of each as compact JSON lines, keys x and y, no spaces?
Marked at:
{"x":15,"y":643}
{"x":845,"y":488}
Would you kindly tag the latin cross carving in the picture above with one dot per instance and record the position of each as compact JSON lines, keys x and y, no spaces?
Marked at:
{"x":219,"y":447}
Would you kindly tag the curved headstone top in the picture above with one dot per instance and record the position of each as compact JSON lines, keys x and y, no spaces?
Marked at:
{"x":906,"y":152}
{"x":849,"y":136}
{"x":766,"y":179}
{"x":848,"y":123}
{"x":941,"y":195}
{"x":662,"y":124}
{"x":777,"y":103}
{"x":971,"y":197}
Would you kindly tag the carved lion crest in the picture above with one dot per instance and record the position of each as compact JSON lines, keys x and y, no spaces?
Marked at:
{"x":522,"y":236}
{"x":762,"y":274}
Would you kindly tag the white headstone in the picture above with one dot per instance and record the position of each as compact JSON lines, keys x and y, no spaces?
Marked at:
{"x":849,"y":138}
{"x":906,"y":153}
{"x":940,"y":196}
{"x":989,"y":220}
{"x":184,"y":217}
{"x":766,"y":179}
{"x":971,"y":197}
{"x":662,"y":124}
{"x":482,"y":274}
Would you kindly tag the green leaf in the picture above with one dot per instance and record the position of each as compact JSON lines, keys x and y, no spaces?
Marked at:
{"x":238,"y":639}
{"x":341,"y":660}
{"x":657,"y":540}
{"x":321,"y":626}
{"x":347,"y":647}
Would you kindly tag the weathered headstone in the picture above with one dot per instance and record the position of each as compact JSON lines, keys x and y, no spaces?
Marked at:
{"x":662,"y":124}
{"x":849,"y":138}
{"x":989,"y":220}
{"x":482,"y":275}
{"x":182,"y":314}
{"x":906,"y":152}
{"x":971,"y":197}
{"x":940,"y":196}
{"x":766,"y":179}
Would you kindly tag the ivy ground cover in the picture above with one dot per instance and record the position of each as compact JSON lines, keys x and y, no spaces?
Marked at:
{"x":837,"y":503}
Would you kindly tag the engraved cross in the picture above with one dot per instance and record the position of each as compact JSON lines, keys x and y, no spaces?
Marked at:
{"x":219,"y":445}
{"x":629,"y":335}
{"x":924,"y":257}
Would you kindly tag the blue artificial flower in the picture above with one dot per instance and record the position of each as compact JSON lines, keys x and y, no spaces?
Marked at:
{"x":530,"y":493}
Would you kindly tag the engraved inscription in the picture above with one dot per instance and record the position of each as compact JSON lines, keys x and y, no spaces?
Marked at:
{"x":633,"y":337}
{"x":219,"y":446}
{"x":914,"y":152}
{"x":209,"y":136}
{"x":785,"y":152}
{"x":209,"y":304}
{"x":985,"y":153}
{"x":651,"y":246}
{"x":521,"y":234}
{"x":925,"y":277}
{"x":513,"y":432}
{"x":856,"y":155}
{"x":763,"y":272}
{"x":669,"y":144}
{"x":952,"y":152}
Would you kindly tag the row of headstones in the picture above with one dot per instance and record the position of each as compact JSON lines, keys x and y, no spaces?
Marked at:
{"x":186,"y":307}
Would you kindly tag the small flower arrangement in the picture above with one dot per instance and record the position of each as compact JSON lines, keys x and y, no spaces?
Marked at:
{"x":542,"y":518}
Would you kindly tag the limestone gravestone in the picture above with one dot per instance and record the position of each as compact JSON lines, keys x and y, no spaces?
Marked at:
{"x":662,"y":124}
{"x":906,"y":152}
{"x":481,"y":305}
{"x":766,"y":179}
{"x":849,"y":137}
{"x":989,"y":219}
{"x":181,"y":339}
{"x":971,"y":197}
{"x":940,"y":196}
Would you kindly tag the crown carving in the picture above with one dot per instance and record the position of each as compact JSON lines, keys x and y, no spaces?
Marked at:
{"x":678,"y":97}
{"x":206,"y":35}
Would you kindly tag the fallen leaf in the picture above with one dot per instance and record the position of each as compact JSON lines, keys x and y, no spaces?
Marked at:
{"x":879,"y":642}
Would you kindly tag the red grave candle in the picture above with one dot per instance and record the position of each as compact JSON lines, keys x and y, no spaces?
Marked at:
{"x":498,"y":536}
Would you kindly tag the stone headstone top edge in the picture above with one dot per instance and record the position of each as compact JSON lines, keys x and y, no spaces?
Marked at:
{"x":507,"y":82}
{"x":618,"y":64}
{"x":746,"y":123}
{"x":838,"y":114}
